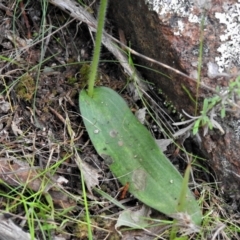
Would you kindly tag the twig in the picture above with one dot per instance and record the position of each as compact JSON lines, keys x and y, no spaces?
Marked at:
{"x":6,"y":9}
{"x":47,"y":40}
{"x":57,"y":115}
{"x":29,"y":36}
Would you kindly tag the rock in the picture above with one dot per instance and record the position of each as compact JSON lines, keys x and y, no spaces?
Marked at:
{"x":171,"y":34}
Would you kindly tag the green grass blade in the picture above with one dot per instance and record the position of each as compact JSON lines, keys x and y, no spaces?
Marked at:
{"x":132,"y":153}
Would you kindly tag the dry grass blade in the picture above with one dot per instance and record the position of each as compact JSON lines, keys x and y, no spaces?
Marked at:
{"x":10,"y":231}
{"x":18,"y":173}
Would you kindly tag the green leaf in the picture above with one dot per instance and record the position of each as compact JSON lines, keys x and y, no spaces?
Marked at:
{"x":205,"y":120}
{"x":196,"y":126}
{"x":184,"y":188}
{"x":213,"y":102}
{"x":223,"y":112}
{"x":205,"y":106}
{"x":132,"y":153}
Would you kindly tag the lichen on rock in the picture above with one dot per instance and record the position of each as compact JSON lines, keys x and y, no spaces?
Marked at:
{"x":175,"y":13}
{"x":229,"y":49}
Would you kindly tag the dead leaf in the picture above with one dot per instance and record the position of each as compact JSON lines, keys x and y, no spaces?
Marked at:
{"x":18,"y":173}
{"x":4,"y":105}
{"x":163,"y":143}
{"x":141,"y":114}
{"x":9,"y":230}
{"x":90,"y":174}
{"x":16,"y":130}
{"x":135,"y":219}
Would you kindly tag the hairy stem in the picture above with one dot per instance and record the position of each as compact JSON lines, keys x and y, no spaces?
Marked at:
{"x":97,"y":48}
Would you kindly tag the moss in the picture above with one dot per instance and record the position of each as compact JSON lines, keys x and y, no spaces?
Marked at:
{"x":84,"y":72}
{"x":80,"y":80}
{"x":72,"y":80}
{"x":168,"y":103}
{"x":26,"y":87}
{"x":45,"y":109}
{"x":81,"y":230}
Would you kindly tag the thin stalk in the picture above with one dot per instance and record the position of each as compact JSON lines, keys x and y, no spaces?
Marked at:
{"x":199,"y":63}
{"x":43,"y":26}
{"x":182,"y":201}
{"x":97,"y":48}
{"x":88,"y":219}
{"x":183,"y":194}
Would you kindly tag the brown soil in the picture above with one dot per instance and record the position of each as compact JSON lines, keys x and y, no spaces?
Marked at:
{"x":40,"y":83}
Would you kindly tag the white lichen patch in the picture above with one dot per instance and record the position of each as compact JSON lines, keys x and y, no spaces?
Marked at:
{"x":229,"y":17}
{"x":230,"y":48}
{"x":168,"y":10}
{"x":180,"y":8}
{"x":236,"y":125}
{"x":164,"y":7}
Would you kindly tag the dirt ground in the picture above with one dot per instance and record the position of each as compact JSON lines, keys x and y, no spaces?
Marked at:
{"x":41,"y":75}
{"x":44,"y":64}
